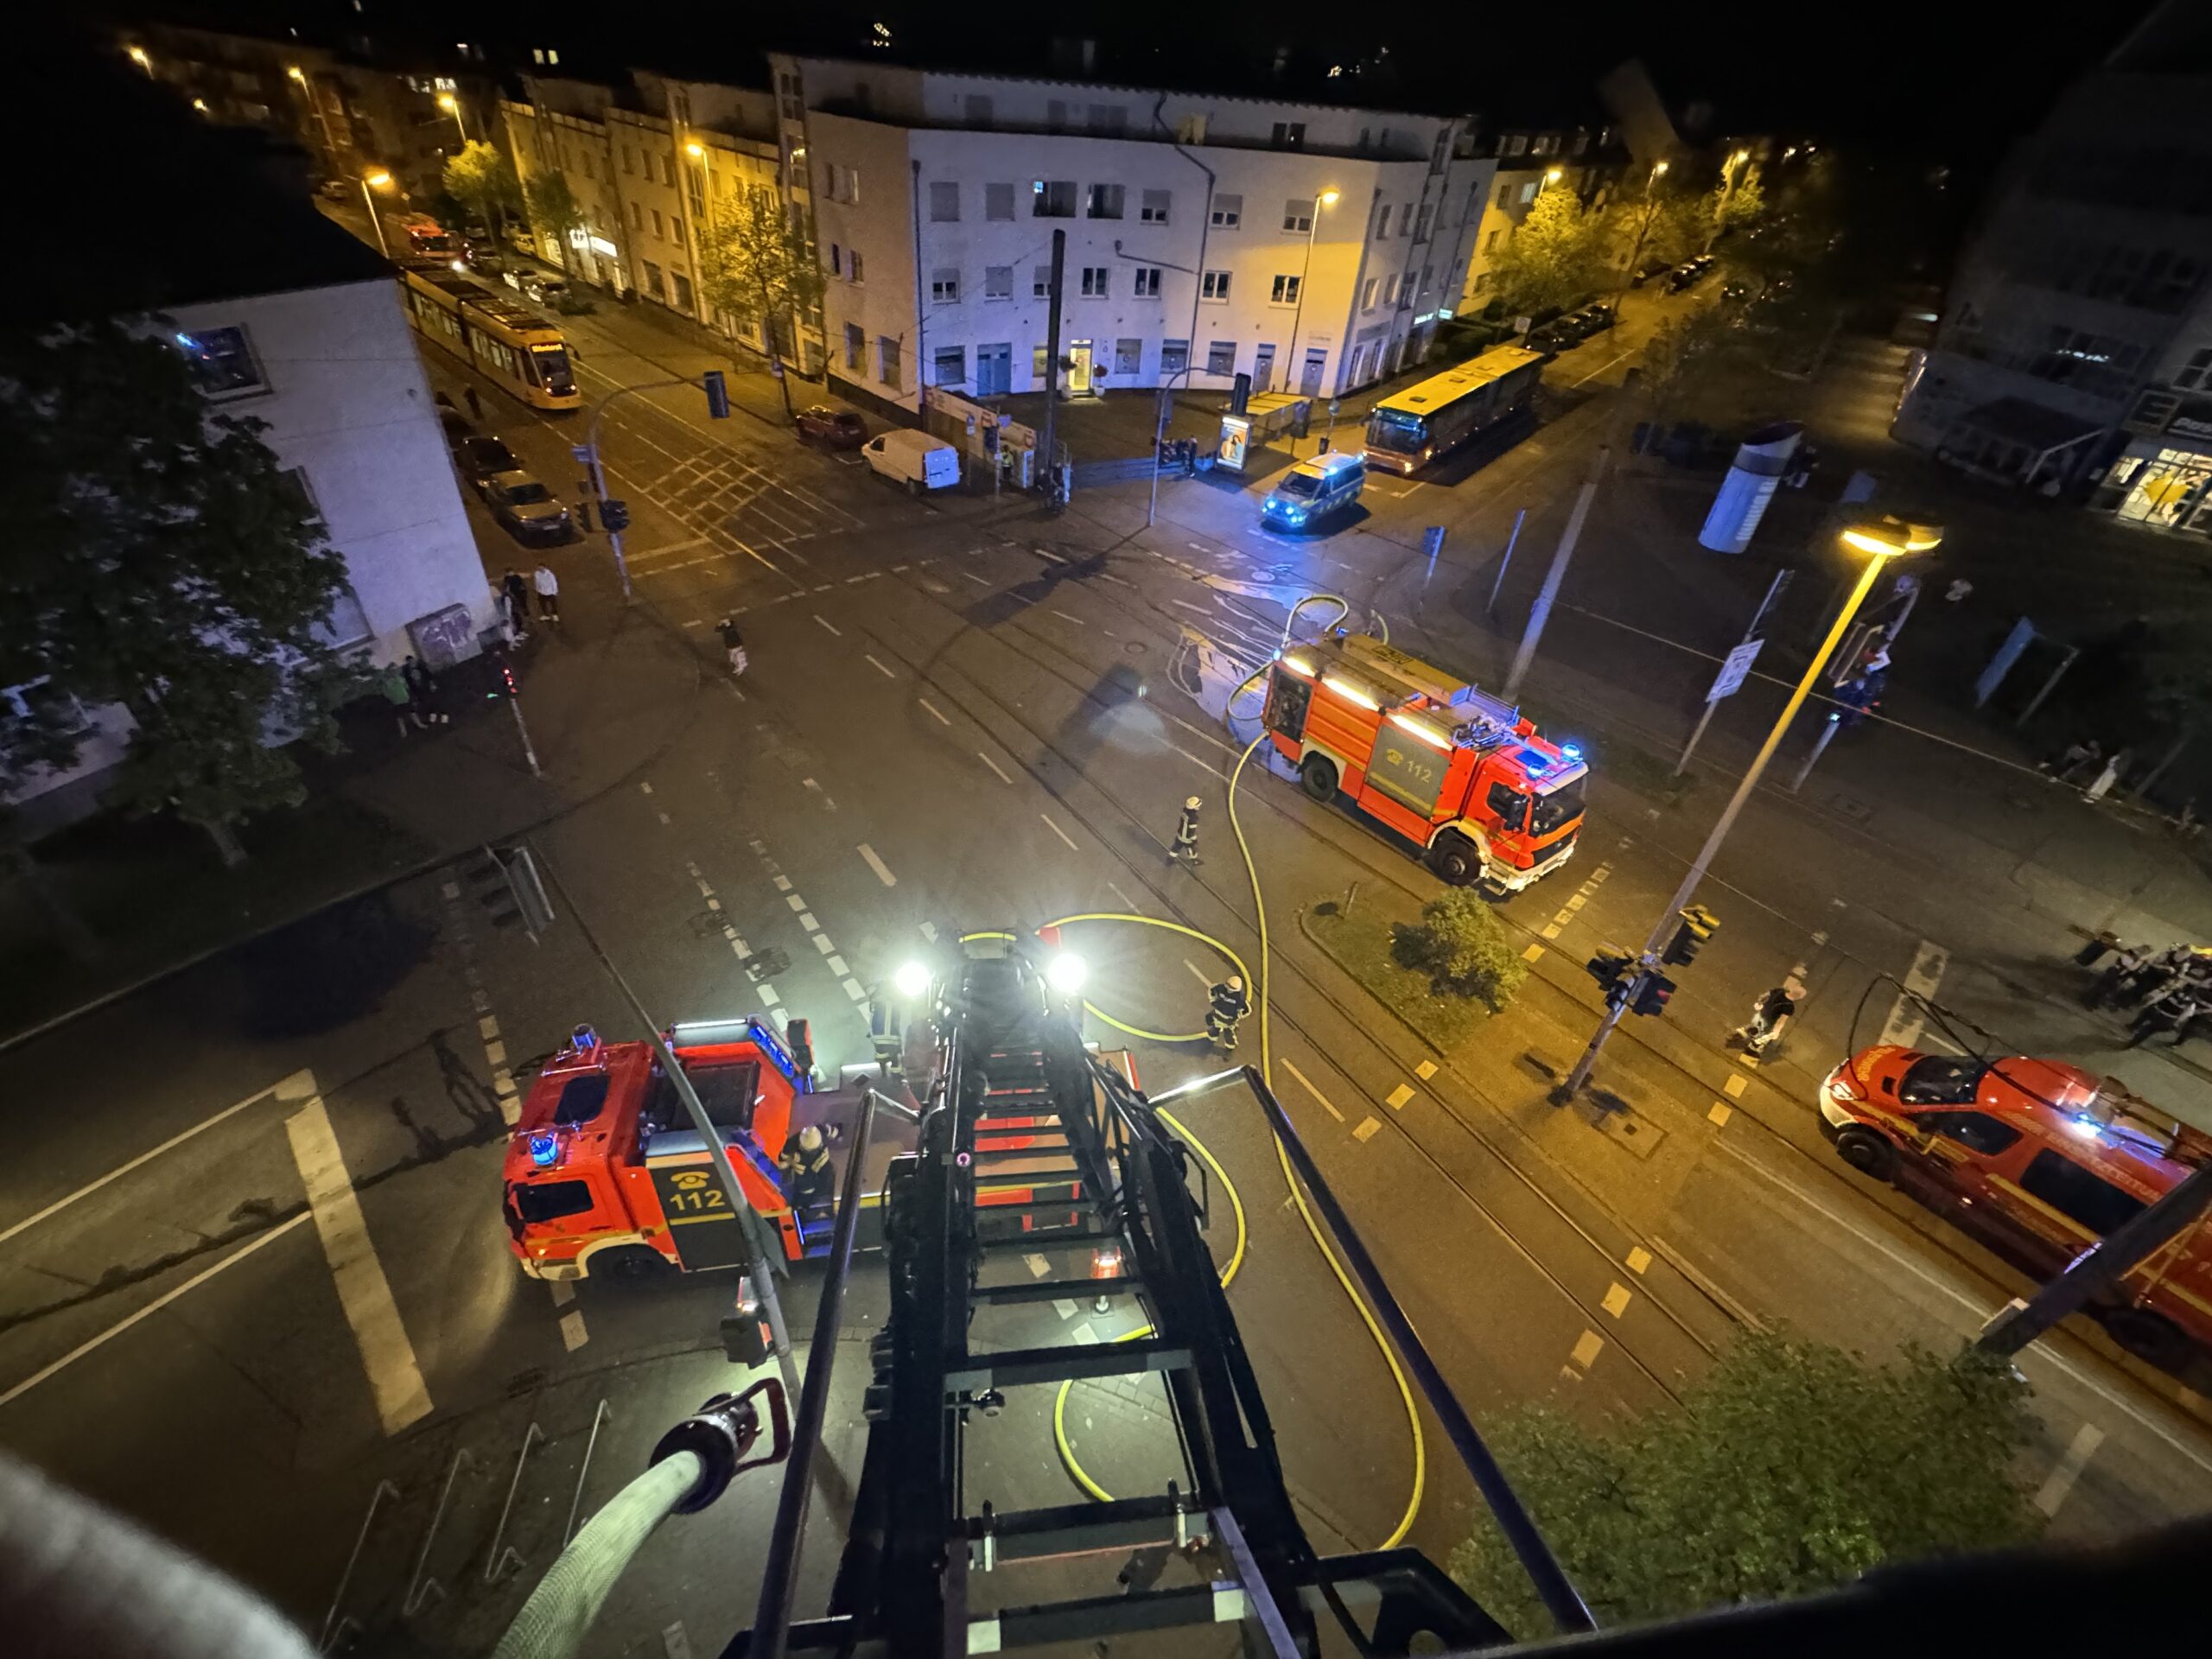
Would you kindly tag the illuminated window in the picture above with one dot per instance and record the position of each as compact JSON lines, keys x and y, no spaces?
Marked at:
{"x":222,"y":362}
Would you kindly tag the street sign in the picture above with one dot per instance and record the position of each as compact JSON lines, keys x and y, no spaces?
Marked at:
{"x":1734,"y":671}
{"x":1335,"y":404}
{"x":1432,"y":541}
{"x":582,"y":452}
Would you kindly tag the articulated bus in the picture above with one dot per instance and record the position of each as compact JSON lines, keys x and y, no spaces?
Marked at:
{"x":512,"y":345}
{"x":1408,"y":431}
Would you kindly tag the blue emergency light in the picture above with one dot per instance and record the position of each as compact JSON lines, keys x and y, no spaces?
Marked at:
{"x":545,"y":1148}
{"x":1571,"y":751}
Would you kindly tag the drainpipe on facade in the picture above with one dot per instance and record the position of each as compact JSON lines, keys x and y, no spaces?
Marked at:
{"x":921,"y":343}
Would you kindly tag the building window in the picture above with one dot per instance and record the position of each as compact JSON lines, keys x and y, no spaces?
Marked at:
{"x":1053,"y":199}
{"x":1214,"y":285}
{"x":1284,"y":291}
{"x":794,"y":106}
{"x":1154,"y":208}
{"x":853,"y":258}
{"x":1128,"y":356}
{"x":629,"y":160}
{"x":656,"y":283}
{"x":1517,"y":144}
{"x":1482,"y":282}
{"x":1298,"y":216}
{"x":977,"y":106}
{"x":660,"y":230}
{"x":998,"y":202}
{"x":1490,"y":246}
{"x":1037,"y":364}
{"x":1228,"y":212}
{"x":1040,"y":283}
{"x":951,"y":364}
{"x":1175,"y":356}
{"x":945,"y":204}
{"x":855,"y":348}
{"x":2196,"y":372}
{"x":1421,"y":226}
{"x":1505,"y":193}
{"x":1105,"y":201}
{"x":676,"y":231}
{"x":998,"y":282}
{"x":222,"y":362}
{"x":887,"y":359}
{"x":1147,"y":286}
{"x":944,"y":286}
{"x":1405,"y":219}
{"x":1221,"y":357}
{"x":1109,"y":118}
{"x":1528,"y":191}
{"x":683,"y":291}
{"x":1367,"y":295}
{"x":1094,"y":282}
{"x":836,"y":260}
{"x":1056,"y":114}
{"x":668,"y":171}
{"x":1290,"y":135}
{"x":1382,"y":218}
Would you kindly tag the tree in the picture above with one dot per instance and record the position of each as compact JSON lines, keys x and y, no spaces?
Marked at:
{"x":555,"y":213}
{"x":757,"y":265}
{"x":1552,"y":260}
{"x":1685,"y":359}
{"x":1791,"y":1467}
{"x":1663,"y":227}
{"x":1464,"y":949}
{"x":482,"y":179}
{"x":1736,"y":206}
{"x":159,"y":557}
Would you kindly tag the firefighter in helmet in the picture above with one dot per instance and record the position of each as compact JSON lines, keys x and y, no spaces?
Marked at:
{"x":1226,"y":1004}
{"x":1186,"y":850}
{"x":807,"y":1176}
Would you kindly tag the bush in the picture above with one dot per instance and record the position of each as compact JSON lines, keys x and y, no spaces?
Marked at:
{"x":1462,"y":948}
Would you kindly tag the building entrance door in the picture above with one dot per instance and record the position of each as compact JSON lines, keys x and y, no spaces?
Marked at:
{"x":1078,"y":368}
{"x":1309,"y":385}
{"x":1263,"y":368}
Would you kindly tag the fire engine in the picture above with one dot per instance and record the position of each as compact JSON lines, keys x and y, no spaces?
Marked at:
{"x":2038,"y":1160}
{"x":605,"y":1173}
{"x":1435,"y":758}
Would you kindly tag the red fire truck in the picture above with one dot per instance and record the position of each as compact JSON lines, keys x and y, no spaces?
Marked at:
{"x":604,"y":1172}
{"x":1435,"y":758}
{"x":2038,"y":1160}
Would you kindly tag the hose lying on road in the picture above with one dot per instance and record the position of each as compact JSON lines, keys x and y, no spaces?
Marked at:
{"x":553,"y":1621}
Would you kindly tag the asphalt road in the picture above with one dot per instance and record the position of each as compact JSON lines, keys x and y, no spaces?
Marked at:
{"x":256,"y":1266}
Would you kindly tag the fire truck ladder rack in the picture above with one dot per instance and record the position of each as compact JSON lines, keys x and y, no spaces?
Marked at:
{"x":1012,"y":1066}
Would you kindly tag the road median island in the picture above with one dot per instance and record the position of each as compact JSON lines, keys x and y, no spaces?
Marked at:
{"x":1359,"y":939}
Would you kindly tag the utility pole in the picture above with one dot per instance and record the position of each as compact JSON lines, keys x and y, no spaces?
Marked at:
{"x":588,"y":453}
{"x":740,"y":1207}
{"x":1052,"y":363}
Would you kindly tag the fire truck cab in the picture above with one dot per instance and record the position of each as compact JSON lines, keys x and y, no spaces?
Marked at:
{"x":1437,"y":760}
{"x":2038,"y":1160}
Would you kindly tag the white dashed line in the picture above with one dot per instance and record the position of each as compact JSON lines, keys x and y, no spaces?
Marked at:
{"x":826,"y":623}
{"x":879,"y":668}
{"x":1587,"y":1348}
{"x":1204,"y":978}
{"x":1639,"y":1259}
{"x":572,"y":1330}
{"x":882,"y":872}
{"x":931,"y":707}
{"x":1307,"y":1082}
{"x":1720,"y":1115}
{"x":1366,"y":1130}
{"x":993,"y":765}
{"x":1396,"y":1099}
{"x":1057,"y":830}
{"x":1617,"y":1300}
{"x":2053,"y":1491}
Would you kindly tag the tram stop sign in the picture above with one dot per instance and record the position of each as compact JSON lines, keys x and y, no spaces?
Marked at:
{"x":1734,"y":671}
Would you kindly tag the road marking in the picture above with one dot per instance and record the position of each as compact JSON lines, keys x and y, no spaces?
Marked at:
{"x":563,"y":1291}
{"x":1533,"y":953}
{"x":1064,"y":1308}
{"x":1907,"y":1014}
{"x":151,"y":1308}
{"x":1366,"y":1130}
{"x":643,"y":789}
{"x":1733,"y":1088}
{"x":1587,"y":1348}
{"x":1127,"y":903}
{"x":854,"y":989}
{"x":298,"y":1086}
{"x":879,"y":668}
{"x":1552,"y":931}
{"x":1616,"y":1300}
{"x":797,"y":901}
{"x":1639,"y":1259}
{"x":1038,"y":1266}
{"x":1057,"y":830}
{"x":1307,"y":1082}
{"x":573,"y":1335}
{"x":993,"y":765}
{"x":1720,"y":1115}
{"x":837,"y":964}
{"x":826,"y":623}
{"x":931,"y":707}
{"x":1076,"y":619}
{"x":1396,"y":1099}
{"x":882,"y":873}
{"x":663,"y":816}
{"x":363,"y":1291}
{"x":1196,"y":761}
{"x":1204,"y":978}
{"x":1084,"y":1335}
{"x":1424,"y":1071}
{"x":2053,"y":1491}
{"x":806,"y":920}
{"x":973,"y":577}
{"x":768,"y":997}
{"x":675,"y":1642}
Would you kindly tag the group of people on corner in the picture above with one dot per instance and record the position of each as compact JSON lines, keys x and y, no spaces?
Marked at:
{"x":2170,"y":989}
{"x":513,"y":594}
{"x":412,"y":691}
{"x":2085,"y":764}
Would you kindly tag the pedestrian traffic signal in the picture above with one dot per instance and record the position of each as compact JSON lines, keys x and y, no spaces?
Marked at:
{"x":1696,"y":926}
{"x":1609,"y":968}
{"x":717,"y":394}
{"x":1652,"y":994}
{"x":614,"y":515}
{"x":503,"y":684}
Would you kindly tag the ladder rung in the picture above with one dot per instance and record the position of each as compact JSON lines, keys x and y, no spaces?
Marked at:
{"x":1053,"y":1290}
{"x":1020,"y":1366}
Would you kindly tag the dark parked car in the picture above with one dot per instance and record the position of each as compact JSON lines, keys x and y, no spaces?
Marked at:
{"x":1681,"y":276}
{"x":1645,"y":272}
{"x":482,"y":459}
{"x":1593,"y":320}
{"x":526,"y":507}
{"x":840,"y":429}
{"x":1558,"y":335}
{"x":1735,"y":290}
{"x":455,"y":425}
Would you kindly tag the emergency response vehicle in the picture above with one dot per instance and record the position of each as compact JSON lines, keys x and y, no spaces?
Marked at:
{"x":1438,"y":760}
{"x":2038,"y":1160}
{"x":604,"y":1172}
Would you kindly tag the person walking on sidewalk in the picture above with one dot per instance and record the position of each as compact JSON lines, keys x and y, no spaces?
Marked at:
{"x":549,"y":592}
{"x":2070,"y":762}
{"x":1770,"y":1017}
{"x":516,"y":591}
{"x":1226,"y":1004}
{"x":1186,"y":850}
{"x":734,"y":642}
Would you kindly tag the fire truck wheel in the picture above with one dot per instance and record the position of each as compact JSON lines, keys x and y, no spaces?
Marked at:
{"x":1455,"y":858}
{"x":2147,"y":1335}
{"x":1867,"y":1153}
{"x":630,"y":1262}
{"x":1318,"y":777}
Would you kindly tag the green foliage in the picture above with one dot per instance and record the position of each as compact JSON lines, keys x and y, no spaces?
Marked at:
{"x":1688,"y":358}
{"x":1740,"y":208}
{"x":1556,"y":258}
{"x":554,"y":210}
{"x":1792,"y":1468}
{"x":1668,"y":223}
{"x":157,"y":556}
{"x":756,"y":265}
{"x":482,"y":179}
{"x":1462,"y":948}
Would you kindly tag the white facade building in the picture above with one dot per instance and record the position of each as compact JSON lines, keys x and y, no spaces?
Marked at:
{"x":1311,"y":247}
{"x":1586,"y":161}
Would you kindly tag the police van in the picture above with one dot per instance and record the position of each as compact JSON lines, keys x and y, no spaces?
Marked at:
{"x":1313,"y":489}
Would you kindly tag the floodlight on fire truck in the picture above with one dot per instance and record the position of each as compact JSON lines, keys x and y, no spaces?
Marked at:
{"x":911,"y":980}
{"x":1066,"y":972}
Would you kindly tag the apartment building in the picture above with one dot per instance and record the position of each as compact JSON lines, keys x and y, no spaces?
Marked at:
{"x":1588,"y":161}
{"x":1312,"y":247}
{"x":2075,"y":351}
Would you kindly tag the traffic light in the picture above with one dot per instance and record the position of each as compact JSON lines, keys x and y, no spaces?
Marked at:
{"x":614,"y":515}
{"x":503,"y":684}
{"x":1610,"y":968}
{"x":1696,"y":926}
{"x":1652,"y":994}
{"x":717,"y":394}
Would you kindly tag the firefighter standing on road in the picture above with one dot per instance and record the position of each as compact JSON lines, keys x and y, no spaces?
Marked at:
{"x":805,"y":1165}
{"x":1226,"y":1004}
{"x":1186,"y":850}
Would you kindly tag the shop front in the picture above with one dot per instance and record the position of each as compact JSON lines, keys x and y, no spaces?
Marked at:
{"x":2164,"y":477}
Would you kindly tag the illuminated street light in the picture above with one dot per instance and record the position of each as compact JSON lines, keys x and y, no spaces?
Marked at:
{"x":378,"y":180}
{"x":1325,"y":198}
{"x":296,"y":72}
{"x":1552,"y":175}
{"x":138,"y":55}
{"x":696,"y":150}
{"x":451,"y":105}
{"x":201,"y":104}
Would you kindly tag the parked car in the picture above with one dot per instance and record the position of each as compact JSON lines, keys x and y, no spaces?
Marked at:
{"x":1556,"y":336}
{"x":334,"y":189}
{"x":1735,"y":290}
{"x":915,"y":459}
{"x":536,"y":285}
{"x":1592,"y":320}
{"x":840,"y":429}
{"x":1682,"y":276}
{"x":1645,"y":272}
{"x":482,"y":459}
{"x":453,"y":422}
{"x":526,"y":507}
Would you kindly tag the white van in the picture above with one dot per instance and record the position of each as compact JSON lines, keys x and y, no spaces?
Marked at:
{"x":915,"y":459}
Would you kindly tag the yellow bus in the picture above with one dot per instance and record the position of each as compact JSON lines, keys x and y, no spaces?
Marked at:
{"x":515,"y":346}
{"x":1422,"y":423}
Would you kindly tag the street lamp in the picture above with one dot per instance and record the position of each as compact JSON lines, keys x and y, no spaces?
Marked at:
{"x":451,"y":105}
{"x":1643,"y":230}
{"x":377,"y":181}
{"x":138,"y":55}
{"x":1327,"y":199}
{"x":1882,"y":539}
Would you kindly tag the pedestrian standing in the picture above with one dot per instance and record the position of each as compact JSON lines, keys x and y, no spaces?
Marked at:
{"x":2101,"y":783}
{"x":734,"y":642}
{"x":2072,"y":761}
{"x":1770,"y":1016}
{"x":401,"y":697}
{"x":549,"y":592}
{"x":2166,"y":1012}
{"x":423,"y":691}
{"x":1186,"y":850}
{"x":517,"y":597}
{"x":476,"y":406}
{"x":1226,"y":1004}
{"x":2125,"y":962}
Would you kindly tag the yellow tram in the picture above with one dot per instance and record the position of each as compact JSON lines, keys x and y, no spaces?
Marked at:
{"x":512,"y":345}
